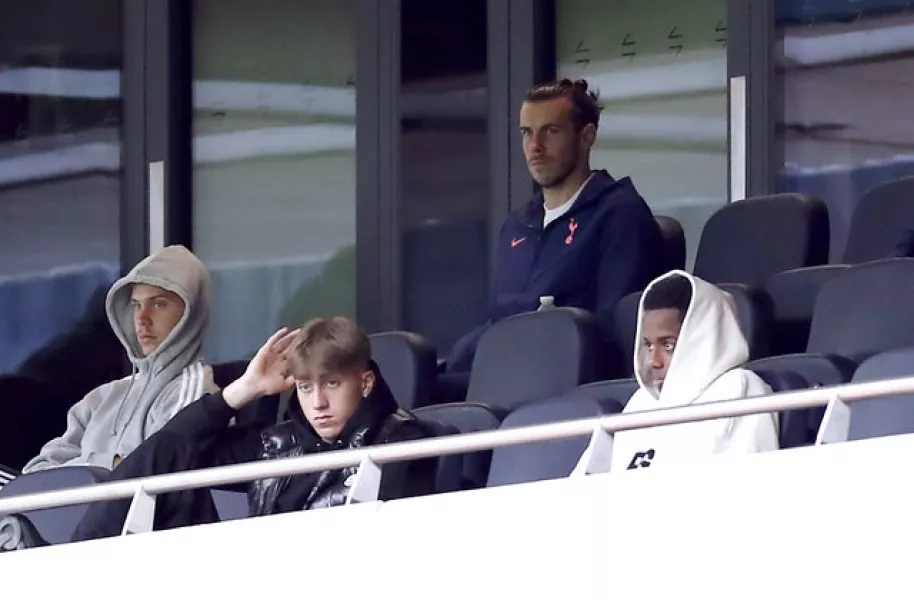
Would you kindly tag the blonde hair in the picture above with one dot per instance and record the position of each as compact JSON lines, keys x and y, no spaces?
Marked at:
{"x":334,"y":345}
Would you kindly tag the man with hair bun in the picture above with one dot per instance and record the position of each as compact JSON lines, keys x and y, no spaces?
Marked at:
{"x":585,"y":239}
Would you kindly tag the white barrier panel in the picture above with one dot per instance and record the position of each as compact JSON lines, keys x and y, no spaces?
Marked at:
{"x":820,"y":522}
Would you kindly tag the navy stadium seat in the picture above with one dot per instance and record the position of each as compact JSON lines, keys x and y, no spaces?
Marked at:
{"x":545,"y":460}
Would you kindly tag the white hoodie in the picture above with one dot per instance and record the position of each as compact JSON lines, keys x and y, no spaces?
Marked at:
{"x":705,"y":367}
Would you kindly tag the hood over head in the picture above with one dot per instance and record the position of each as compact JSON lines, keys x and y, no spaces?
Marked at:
{"x":177,"y":270}
{"x":710,"y":344}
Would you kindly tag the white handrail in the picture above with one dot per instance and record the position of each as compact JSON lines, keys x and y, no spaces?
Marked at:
{"x":453,"y":444}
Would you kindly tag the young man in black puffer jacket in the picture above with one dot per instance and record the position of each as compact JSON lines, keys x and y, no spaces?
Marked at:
{"x":343,"y":402}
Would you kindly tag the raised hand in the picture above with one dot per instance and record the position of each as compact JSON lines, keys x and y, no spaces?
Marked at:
{"x":267,"y":373}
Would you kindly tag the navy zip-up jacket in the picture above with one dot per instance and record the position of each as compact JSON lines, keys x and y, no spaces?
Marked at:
{"x":905,"y":247}
{"x":605,"y":246}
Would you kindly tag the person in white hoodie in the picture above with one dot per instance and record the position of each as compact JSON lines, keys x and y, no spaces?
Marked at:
{"x":160,"y":312}
{"x":689,"y":350}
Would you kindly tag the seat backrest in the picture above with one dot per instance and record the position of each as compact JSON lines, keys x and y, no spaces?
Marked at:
{"x":533,"y":356}
{"x":544,"y":460}
{"x":753,"y":310}
{"x":736,"y":243}
{"x":885,"y":415}
{"x":408,"y":363}
{"x":674,"y":243}
{"x":755,"y":314}
{"x":625,"y":322}
{"x":466,"y":417}
{"x":879,"y":221}
{"x":801,"y":371}
{"x":793,"y":298}
{"x":865,"y":310}
{"x":449,"y":469}
{"x":31,"y":413}
{"x":817,"y":370}
{"x":612,"y":395}
{"x":444,"y":273}
{"x":794,"y":428}
{"x":56,"y":525}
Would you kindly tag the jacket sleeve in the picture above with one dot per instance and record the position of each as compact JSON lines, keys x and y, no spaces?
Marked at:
{"x":629,"y":259}
{"x":206,"y":423}
{"x":753,"y":433}
{"x":406,"y":479}
{"x":67,"y":449}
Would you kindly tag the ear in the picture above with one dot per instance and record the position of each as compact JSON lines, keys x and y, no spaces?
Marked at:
{"x":367,"y":383}
{"x":588,"y":136}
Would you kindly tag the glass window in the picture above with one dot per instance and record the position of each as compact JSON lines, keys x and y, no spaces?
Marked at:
{"x":661,"y":68}
{"x":846,"y":70}
{"x":60,"y":178}
{"x":444,"y":166}
{"x":274,"y":164}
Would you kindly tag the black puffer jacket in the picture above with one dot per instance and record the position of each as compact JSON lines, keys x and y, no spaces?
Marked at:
{"x":378,"y":420}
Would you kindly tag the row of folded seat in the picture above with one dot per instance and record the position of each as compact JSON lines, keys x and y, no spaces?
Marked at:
{"x":860,"y":312}
{"x":808,"y":324}
{"x":752,"y":240}
{"x":542,"y":367}
{"x":855,"y":312}
{"x":774,"y":278}
{"x":538,"y":461}
{"x":528,"y":462}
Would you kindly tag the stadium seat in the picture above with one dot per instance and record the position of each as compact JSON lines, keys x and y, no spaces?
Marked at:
{"x":737,"y":245}
{"x":467,"y":417}
{"x":863,"y":311}
{"x":625,"y":324}
{"x":545,"y":460}
{"x":449,"y":471}
{"x":534,"y":356}
{"x":795,"y":427}
{"x":793,"y":297}
{"x":444,"y":278}
{"x":408,"y":363}
{"x":31,"y":413}
{"x":879,"y":221}
{"x":612,"y":395}
{"x":877,"y":224}
{"x":674,"y":251}
{"x":755,"y":314}
{"x":56,"y":525}
{"x":885,"y":415}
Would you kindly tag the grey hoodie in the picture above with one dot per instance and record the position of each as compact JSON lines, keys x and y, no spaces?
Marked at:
{"x":115,"y":418}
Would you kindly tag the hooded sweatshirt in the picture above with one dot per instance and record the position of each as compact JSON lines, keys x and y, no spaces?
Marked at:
{"x":115,"y":418}
{"x":705,"y":367}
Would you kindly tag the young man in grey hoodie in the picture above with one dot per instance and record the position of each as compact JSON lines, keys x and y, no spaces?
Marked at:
{"x":159,"y":312}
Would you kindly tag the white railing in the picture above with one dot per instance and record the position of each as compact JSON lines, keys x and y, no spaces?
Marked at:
{"x":143,"y":490}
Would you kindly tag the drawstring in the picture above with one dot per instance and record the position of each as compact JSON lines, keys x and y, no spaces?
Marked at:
{"x":136,"y":407}
{"x":120,"y":408}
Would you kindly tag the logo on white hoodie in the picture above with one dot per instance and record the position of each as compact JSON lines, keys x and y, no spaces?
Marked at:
{"x":641,"y":460}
